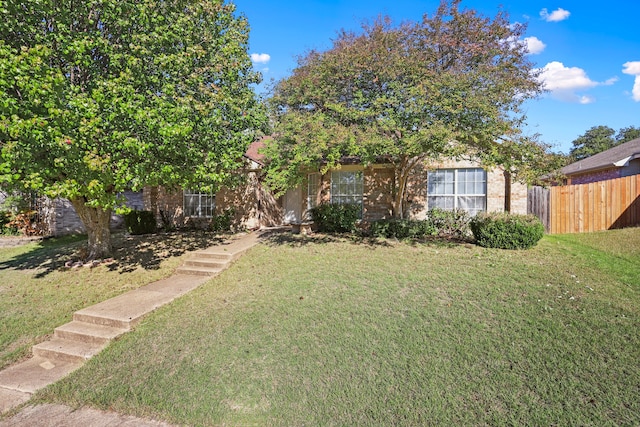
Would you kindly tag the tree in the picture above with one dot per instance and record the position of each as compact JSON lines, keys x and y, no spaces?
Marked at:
{"x":600,"y":138}
{"x":627,"y":134}
{"x":102,"y":96}
{"x":594,"y":141}
{"x":450,"y":85}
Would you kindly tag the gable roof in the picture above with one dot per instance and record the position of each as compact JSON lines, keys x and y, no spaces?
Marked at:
{"x":616,"y":157}
{"x":253,"y":153}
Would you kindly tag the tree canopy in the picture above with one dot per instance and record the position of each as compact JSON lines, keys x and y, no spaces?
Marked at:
{"x":600,"y":138}
{"x":450,"y":85}
{"x":101,"y":96}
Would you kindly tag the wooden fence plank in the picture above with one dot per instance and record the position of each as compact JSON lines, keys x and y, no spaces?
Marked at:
{"x":589,"y":207}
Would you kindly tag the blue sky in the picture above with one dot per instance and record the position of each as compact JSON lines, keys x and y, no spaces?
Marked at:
{"x":590,"y":52}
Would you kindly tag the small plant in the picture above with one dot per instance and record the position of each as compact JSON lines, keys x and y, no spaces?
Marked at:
{"x":335,"y":218}
{"x":506,"y":231}
{"x":6,"y":229}
{"x":140,"y":222}
{"x":222,"y":222}
{"x":450,"y":223}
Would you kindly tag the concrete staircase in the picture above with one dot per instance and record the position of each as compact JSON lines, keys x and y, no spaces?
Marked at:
{"x":92,"y":328}
{"x":206,"y":263}
{"x":78,"y":341}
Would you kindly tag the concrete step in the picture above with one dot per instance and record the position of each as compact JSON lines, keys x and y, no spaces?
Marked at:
{"x":209,"y":263}
{"x":198,"y":270}
{"x":225,"y":256}
{"x":88,"y":332}
{"x":65,"y":350}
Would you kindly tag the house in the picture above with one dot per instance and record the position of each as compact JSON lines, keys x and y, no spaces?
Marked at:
{"x":451,"y":184}
{"x":250,"y":204}
{"x":617,"y":162}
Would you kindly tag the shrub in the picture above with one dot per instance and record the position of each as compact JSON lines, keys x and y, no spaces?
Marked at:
{"x":402,"y":228}
{"x":448,"y":223}
{"x":507,"y":231}
{"x":140,"y":222}
{"x":222,"y":222}
{"x":334,"y":218}
{"x":6,"y":227}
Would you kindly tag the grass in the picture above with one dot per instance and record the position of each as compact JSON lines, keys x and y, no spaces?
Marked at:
{"x":37,"y":294}
{"x":324,"y":331}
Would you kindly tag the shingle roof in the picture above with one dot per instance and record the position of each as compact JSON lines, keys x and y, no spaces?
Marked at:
{"x":253,"y":153}
{"x":617,"y":156}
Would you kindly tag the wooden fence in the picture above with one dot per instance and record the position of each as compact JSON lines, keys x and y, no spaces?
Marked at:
{"x":595,"y":206}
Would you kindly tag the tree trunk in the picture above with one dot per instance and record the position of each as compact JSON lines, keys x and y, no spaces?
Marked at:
{"x":507,"y":191}
{"x":401,"y":177}
{"x":96,"y":221}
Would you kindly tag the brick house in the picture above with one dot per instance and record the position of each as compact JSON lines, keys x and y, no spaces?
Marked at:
{"x":251,"y":204}
{"x":617,"y":162}
{"x":448,"y":185}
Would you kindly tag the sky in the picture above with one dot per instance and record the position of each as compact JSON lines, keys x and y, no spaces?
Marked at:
{"x":589,"y":51}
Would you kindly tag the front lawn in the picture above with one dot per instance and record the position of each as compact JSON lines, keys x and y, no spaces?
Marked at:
{"x":37,"y":293}
{"x":323,"y":331}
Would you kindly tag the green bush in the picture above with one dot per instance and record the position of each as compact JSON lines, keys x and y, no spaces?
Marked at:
{"x":140,"y":222}
{"x":450,"y":223}
{"x":506,"y":231}
{"x":6,"y":227}
{"x":334,"y":218}
{"x":222,"y":222}
{"x":402,"y":228}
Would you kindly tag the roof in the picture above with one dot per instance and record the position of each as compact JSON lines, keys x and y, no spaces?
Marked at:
{"x":616,"y":157}
{"x":253,"y":152}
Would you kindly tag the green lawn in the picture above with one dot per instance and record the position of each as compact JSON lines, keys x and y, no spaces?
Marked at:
{"x":324,"y":331}
{"x":37,"y":295}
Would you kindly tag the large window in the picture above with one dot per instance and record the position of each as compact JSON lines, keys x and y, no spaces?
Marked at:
{"x":198,"y":204}
{"x":464,"y":189}
{"x":346,"y":188}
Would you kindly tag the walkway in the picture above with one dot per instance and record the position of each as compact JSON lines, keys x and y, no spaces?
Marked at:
{"x":92,"y":329}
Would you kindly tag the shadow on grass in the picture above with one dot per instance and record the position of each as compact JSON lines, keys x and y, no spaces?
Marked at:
{"x":129,"y":252}
{"x":284,"y":237}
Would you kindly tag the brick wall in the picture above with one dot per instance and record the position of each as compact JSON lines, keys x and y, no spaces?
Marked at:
{"x":602,"y":175}
{"x":252,"y":205}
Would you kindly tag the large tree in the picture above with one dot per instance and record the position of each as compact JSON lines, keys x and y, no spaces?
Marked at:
{"x":449,"y":85}
{"x":101,"y":96}
{"x":600,"y":138}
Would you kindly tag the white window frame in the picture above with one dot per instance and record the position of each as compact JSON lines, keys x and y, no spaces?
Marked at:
{"x":457,"y":189}
{"x":200,"y":205}
{"x":347,"y":187}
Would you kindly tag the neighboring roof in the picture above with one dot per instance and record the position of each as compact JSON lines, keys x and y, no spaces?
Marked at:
{"x":616,"y":157}
{"x":253,"y":153}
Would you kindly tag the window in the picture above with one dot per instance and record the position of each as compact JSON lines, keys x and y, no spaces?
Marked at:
{"x":197,"y":204}
{"x":464,"y":189}
{"x":346,"y":188}
{"x":313,"y":187}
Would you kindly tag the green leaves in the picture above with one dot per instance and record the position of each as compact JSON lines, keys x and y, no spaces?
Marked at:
{"x":109,"y":94}
{"x":449,"y":85}
{"x":103,"y":96}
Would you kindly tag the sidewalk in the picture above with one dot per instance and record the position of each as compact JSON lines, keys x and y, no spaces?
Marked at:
{"x":92,"y":329}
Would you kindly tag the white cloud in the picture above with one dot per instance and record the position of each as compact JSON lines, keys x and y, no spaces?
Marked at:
{"x":633,"y":68}
{"x":558,"y":77}
{"x":556,"y":16}
{"x":587,"y":99}
{"x":564,"y":82}
{"x":260,"y":58}
{"x":534,"y":45}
